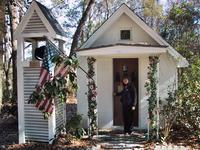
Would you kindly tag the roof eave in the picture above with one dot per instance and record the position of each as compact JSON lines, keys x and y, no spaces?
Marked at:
{"x":122,"y":50}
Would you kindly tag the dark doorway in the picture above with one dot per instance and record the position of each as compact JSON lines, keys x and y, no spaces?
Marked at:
{"x":121,"y":66}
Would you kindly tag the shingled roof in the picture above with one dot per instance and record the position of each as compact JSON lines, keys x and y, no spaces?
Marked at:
{"x":52,"y":20}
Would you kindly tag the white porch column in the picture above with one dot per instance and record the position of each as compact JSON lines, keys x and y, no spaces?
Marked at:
{"x":20,"y":85}
{"x":52,"y":126}
{"x":34,"y":46}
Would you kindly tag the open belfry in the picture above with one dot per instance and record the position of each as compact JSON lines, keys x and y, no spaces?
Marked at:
{"x":36,"y":27}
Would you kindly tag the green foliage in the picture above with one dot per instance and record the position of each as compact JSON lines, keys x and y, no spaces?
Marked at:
{"x":169,"y":113}
{"x":58,"y":2}
{"x":183,"y":105}
{"x":151,"y":87}
{"x":73,"y":126}
{"x":181,"y":30}
{"x":151,"y":8}
{"x":181,"y":27}
{"x":60,"y":86}
{"x":185,"y":15}
{"x":92,"y":103}
{"x":189,"y":96}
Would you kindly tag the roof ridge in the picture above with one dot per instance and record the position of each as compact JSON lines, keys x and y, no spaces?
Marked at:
{"x":51,"y":18}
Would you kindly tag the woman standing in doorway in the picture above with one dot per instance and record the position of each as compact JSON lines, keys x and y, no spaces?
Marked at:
{"x":128,"y":101}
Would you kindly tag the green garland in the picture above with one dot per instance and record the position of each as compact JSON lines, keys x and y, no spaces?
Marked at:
{"x":151,"y":87}
{"x":92,"y":95}
{"x":59,"y":87}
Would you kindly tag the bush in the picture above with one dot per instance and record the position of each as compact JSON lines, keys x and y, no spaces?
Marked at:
{"x":189,"y":97}
{"x":169,"y":114}
{"x":73,"y":126}
{"x":183,"y":105}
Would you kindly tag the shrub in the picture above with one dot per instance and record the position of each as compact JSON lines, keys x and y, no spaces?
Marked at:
{"x":73,"y":126}
{"x":169,"y":114}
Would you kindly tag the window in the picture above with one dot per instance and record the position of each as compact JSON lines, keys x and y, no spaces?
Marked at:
{"x":125,"y":34}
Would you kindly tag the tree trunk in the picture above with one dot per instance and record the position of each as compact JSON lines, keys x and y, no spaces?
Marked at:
{"x":79,"y":28}
{"x":107,"y":9}
{"x":14,"y":19}
{"x":2,"y":16}
{"x":7,"y":61}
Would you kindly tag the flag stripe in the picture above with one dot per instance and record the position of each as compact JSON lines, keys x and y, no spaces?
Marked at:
{"x":47,"y":74}
{"x":43,"y":77}
{"x":60,"y":68}
{"x":64,"y":72}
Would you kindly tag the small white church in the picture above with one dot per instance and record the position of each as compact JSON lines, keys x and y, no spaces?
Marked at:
{"x":123,"y":43}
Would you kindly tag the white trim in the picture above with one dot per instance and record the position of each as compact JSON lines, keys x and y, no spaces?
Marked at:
{"x":51,"y":32}
{"x":24,"y":21}
{"x":42,"y":34}
{"x":180,"y":60}
{"x":52,"y":126}
{"x":121,"y":50}
{"x":112,"y":80}
{"x":139,"y":92}
{"x":61,"y":38}
{"x":20,"y":85}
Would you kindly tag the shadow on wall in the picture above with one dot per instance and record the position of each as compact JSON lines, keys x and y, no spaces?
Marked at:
{"x":143,"y":112}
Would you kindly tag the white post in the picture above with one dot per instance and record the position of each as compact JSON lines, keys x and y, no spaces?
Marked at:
{"x":157,"y":103}
{"x":34,"y":46}
{"x":148,"y":128}
{"x":20,"y":89}
{"x":52,"y":126}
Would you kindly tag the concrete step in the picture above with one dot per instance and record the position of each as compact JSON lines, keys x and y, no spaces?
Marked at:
{"x":122,"y":146}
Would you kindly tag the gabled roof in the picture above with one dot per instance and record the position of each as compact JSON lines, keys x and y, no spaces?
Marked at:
{"x":46,"y":17}
{"x":124,"y":9}
{"x":52,"y":20}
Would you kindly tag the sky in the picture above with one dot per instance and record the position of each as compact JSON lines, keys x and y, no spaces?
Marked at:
{"x":48,"y":3}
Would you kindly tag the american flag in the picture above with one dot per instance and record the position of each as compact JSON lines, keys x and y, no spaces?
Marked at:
{"x":47,"y":74}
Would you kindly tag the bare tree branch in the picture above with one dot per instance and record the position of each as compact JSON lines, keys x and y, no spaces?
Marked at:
{"x":79,"y":28}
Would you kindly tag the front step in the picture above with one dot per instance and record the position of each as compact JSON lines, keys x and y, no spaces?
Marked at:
{"x":122,"y":146}
{"x":119,"y":141}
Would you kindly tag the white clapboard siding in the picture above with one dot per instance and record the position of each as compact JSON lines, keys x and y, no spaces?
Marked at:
{"x":36,"y":127}
{"x":59,"y":114}
{"x":35,"y":25}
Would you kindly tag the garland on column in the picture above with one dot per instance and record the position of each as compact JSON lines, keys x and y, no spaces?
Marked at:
{"x":92,"y":95}
{"x":151,"y":87}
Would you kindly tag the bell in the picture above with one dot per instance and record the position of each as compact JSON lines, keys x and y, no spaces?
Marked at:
{"x":39,"y":52}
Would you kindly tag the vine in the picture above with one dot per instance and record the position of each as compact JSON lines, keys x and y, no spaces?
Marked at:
{"x":151,"y":87}
{"x":92,"y":95}
{"x":59,"y":87}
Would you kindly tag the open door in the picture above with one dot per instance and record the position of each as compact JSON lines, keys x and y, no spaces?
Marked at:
{"x":121,"y":66}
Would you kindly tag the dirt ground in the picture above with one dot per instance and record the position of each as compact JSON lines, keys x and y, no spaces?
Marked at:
{"x":9,"y":135}
{"x":9,"y":138}
{"x":8,"y":127}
